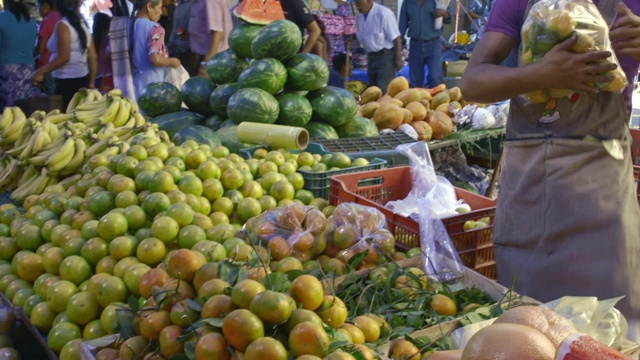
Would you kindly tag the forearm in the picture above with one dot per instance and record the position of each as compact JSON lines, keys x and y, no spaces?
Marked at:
{"x":487,"y":83}
{"x":55,"y":64}
{"x":216,"y":39}
{"x":311,"y":41}
{"x":398,"y":46}
{"x":93,"y":71}
{"x":159,"y":60}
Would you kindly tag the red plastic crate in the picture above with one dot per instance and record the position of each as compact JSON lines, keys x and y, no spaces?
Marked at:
{"x":475,"y":246}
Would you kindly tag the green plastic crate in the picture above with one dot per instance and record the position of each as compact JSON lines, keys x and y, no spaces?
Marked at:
{"x":319,"y":183}
{"x":380,"y":147}
{"x":312,"y":148}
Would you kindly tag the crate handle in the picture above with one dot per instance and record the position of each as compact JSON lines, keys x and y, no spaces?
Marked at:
{"x":378,"y":179}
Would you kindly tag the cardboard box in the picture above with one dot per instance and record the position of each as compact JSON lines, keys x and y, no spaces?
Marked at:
{"x":455,"y":68}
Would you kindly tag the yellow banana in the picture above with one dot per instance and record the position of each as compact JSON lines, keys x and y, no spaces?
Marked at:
{"x":13,"y":131}
{"x":140,"y":120}
{"x":130,"y":123}
{"x":24,"y":188}
{"x":98,"y":147}
{"x":115,"y":92}
{"x":75,"y":100}
{"x":60,"y":118}
{"x":39,"y":142}
{"x":27,"y":152}
{"x":123,"y":114}
{"x":77,"y":160}
{"x":7,"y":118}
{"x":53,"y":112}
{"x":110,"y":151}
{"x":69,"y":181}
{"x":60,"y":159}
{"x":124,"y":147}
{"x":112,"y":111}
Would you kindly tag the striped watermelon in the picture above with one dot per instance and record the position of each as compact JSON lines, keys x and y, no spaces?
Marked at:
{"x":267,"y":74}
{"x":306,"y":72}
{"x":253,"y":105}
{"x":280,"y":39}
{"x":225,"y":67}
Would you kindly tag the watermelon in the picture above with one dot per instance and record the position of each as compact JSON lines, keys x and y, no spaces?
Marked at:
{"x":254,"y":105}
{"x":295,"y":109}
{"x":196,"y":93}
{"x":226,"y":123}
{"x":229,"y":138}
{"x":321,"y":131}
{"x":225,"y":67}
{"x":306,"y":72}
{"x":267,"y":74}
{"x":332,"y":105}
{"x":214,"y":122}
{"x":158,"y":98}
{"x":172,"y":122}
{"x":220,"y":98}
{"x":358,"y":127}
{"x":281,"y":40}
{"x":240,"y":39}
{"x":201,"y":134}
{"x":259,"y":11}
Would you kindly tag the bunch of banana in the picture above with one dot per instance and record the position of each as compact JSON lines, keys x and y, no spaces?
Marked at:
{"x":11,"y":124}
{"x":33,"y":181}
{"x":10,"y":174}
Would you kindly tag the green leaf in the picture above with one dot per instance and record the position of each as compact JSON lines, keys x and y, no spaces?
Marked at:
{"x":277,"y":281}
{"x":190,"y":350}
{"x":357,"y":354}
{"x":356,"y":260}
{"x":215,"y":322}
{"x":179,"y":356}
{"x":293,"y":274}
{"x":133,"y":303}
{"x":336,"y":345}
{"x":417,"y":342}
{"x":104,"y":341}
{"x":127,"y":329}
{"x":229,"y":272}
{"x":194,"y":305}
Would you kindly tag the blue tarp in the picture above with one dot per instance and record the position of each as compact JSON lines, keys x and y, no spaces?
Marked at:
{"x":361,"y":75}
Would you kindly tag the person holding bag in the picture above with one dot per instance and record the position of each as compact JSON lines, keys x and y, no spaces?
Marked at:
{"x":567,"y":221}
{"x":73,"y":55}
{"x":149,"y":54}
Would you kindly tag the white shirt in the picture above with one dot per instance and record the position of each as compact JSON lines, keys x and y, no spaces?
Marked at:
{"x":78,"y":64}
{"x":378,"y":30}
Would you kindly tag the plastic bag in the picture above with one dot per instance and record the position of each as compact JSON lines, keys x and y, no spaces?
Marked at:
{"x":176,"y":76}
{"x":598,"y":319}
{"x":293,"y":230}
{"x":354,"y":229}
{"x":553,"y":21}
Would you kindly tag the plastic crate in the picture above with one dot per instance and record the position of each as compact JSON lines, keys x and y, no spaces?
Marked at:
{"x":380,"y":147}
{"x":376,"y":188}
{"x":319,"y":182}
{"x":311,"y":148}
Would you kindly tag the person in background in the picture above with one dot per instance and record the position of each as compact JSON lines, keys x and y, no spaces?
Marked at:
{"x":179,"y":39}
{"x":567,"y":211}
{"x":323,"y":45}
{"x":340,"y":70}
{"x":209,"y":27}
{"x":18,"y":33}
{"x":377,"y":31}
{"x":50,"y":18}
{"x":73,"y":55}
{"x":166,"y":19}
{"x":417,"y":19}
{"x":297,"y":12}
{"x":149,"y":53}
{"x":104,"y":77}
{"x":479,"y":12}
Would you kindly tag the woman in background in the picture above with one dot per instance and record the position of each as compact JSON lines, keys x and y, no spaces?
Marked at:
{"x":73,"y":54}
{"x":149,"y":53}
{"x":104,"y":77}
{"x":323,"y":45}
{"x":50,"y":18}
{"x":18,"y":33}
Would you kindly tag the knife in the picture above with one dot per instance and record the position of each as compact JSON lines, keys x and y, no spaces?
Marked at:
{"x":609,"y":10}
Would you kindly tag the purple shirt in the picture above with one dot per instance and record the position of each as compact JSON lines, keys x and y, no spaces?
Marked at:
{"x":508,"y":16}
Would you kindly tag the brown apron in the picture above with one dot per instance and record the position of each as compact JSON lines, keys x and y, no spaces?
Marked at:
{"x":568,"y":221}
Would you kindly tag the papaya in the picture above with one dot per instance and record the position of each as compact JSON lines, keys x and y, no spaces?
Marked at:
{"x":407,"y":116}
{"x":389,"y":100}
{"x":397,"y":85}
{"x":370,"y":94}
{"x":443,"y":108}
{"x":369,"y":109}
{"x":439,"y":99}
{"x":388,"y":116}
{"x":409,"y":95}
{"x":583,"y":44}
{"x":454,"y":93}
{"x":438,"y":89}
{"x":426,"y":94}
{"x":423,"y":129}
{"x":418,"y":110}
{"x":441,"y":124}
{"x":426,"y":103}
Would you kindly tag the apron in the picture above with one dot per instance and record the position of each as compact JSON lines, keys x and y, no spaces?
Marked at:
{"x":568,"y":221}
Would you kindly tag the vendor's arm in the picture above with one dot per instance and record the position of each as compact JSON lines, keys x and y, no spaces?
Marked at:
{"x":216,"y":39}
{"x":158,"y":51}
{"x":314,"y":34}
{"x":398,"y":61}
{"x":92,"y":57}
{"x":64,"y":53}
{"x":625,"y":34}
{"x":486,"y":81}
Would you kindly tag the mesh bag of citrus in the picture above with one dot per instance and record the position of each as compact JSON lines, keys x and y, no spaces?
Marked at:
{"x":356,"y":229}
{"x":553,"y":21}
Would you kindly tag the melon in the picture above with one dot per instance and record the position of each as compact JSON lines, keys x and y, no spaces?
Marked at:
{"x":259,"y":12}
{"x":240,"y":39}
{"x":547,"y":321}
{"x":509,"y":341}
{"x":388,"y":116}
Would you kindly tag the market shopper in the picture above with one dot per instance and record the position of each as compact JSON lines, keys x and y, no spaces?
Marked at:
{"x":323,"y":45}
{"x":209,"y":28}
{"x":298,"y":12}
{"x":50,"y":18}
{"x":73,"y":61}
{"x":377,"y":31}
{"x":340,"y":70}
{"x":417,"y":18}
{"x":179,"y":39}
{"x":17,"y":38}
{"x":104,"y":76}
{"x":567,"y":221}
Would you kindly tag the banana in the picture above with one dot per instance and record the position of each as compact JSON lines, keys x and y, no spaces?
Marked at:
{"x":106,"y":131}
{"x":115,"y":92}
{"x":140,"y":120}
{"x":69,"y":181}
{"x":124,"y":147}
{"x":77,"y":160}
{"x":77,"y":98}
{"x":60,"y":118}
{"x":7,"y":118}
{"x":112,"y":111}
{"x":20,"y":193}
{"x":53,"y":112}
{"x":110,"y":151}
{"x":98,"y":147}
{"x":92,"y":105}
{"x":123,"y":114}
{"x":41,"y":183}
{"x":130,"y":123}
{"x":13,"y":131}
{"x":121,"y":131}
{"x":60,"y":159}
{"x":40,"y":136}
{"x":28,"y":173}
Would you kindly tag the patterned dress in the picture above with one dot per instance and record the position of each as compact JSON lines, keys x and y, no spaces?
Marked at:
{"x":148,"y":40}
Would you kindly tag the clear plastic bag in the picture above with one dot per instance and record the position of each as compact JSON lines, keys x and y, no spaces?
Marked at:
{"x":553,"y":21}
{"x":355,"y":229}
{"x":293,"y":230}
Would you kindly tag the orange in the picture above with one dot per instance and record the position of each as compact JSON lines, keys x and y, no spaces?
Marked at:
{"x":369,"y":327}
{"x":212,"y":250}
{"x":189,"y":235}
{"x":133,"y":276}
{"x":106,"y":265}
{"x":217,"y":306}
{"x":59,"y":293}
{"x":75,"y":269}
{"x":109,"y":318}
{"x":345,"y":236}
{"x":272,"y":307}
{"x":308,"y":291}
{"x":299,"y":316}
{"x":232,"y":179}
{"x":112,"y":225}
{"x":266,"y":348}
{"x":184,"y":263}
{"x":210,"y":288}
{"x":289,"y":263}
{"x":165,"y":228}
{"x":405,"y":350}
{"x":110,"y":290}
{"x":134,"y":348}
{"x":183,"y":315}
{"x":282,"y":190}
{"x":443,"y":305}
{"x":42,"y":316}
{"x":308,"y":338}
{"x":93,"y":330}
{"x":122,"y":247}
{"x":248,"y":208}
{"x":83,"y":308}
{"x":357,"y":336}
{"x":153,"y":277}
{"x":151,"y":251}
{"x":241,"y":327}
{"x":153,"y":323}
{"x":168,"y":340}
{"x":212,"y":346}
{"x":181,"y":213}
{"x":29,"y":267}
{"x":178,"y":291}
{"x":71,"y":350}
{"x":210,"y":270}
{"x":333,"y":311}
{"x":94,"y":250}
{"x":62,"y":334}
